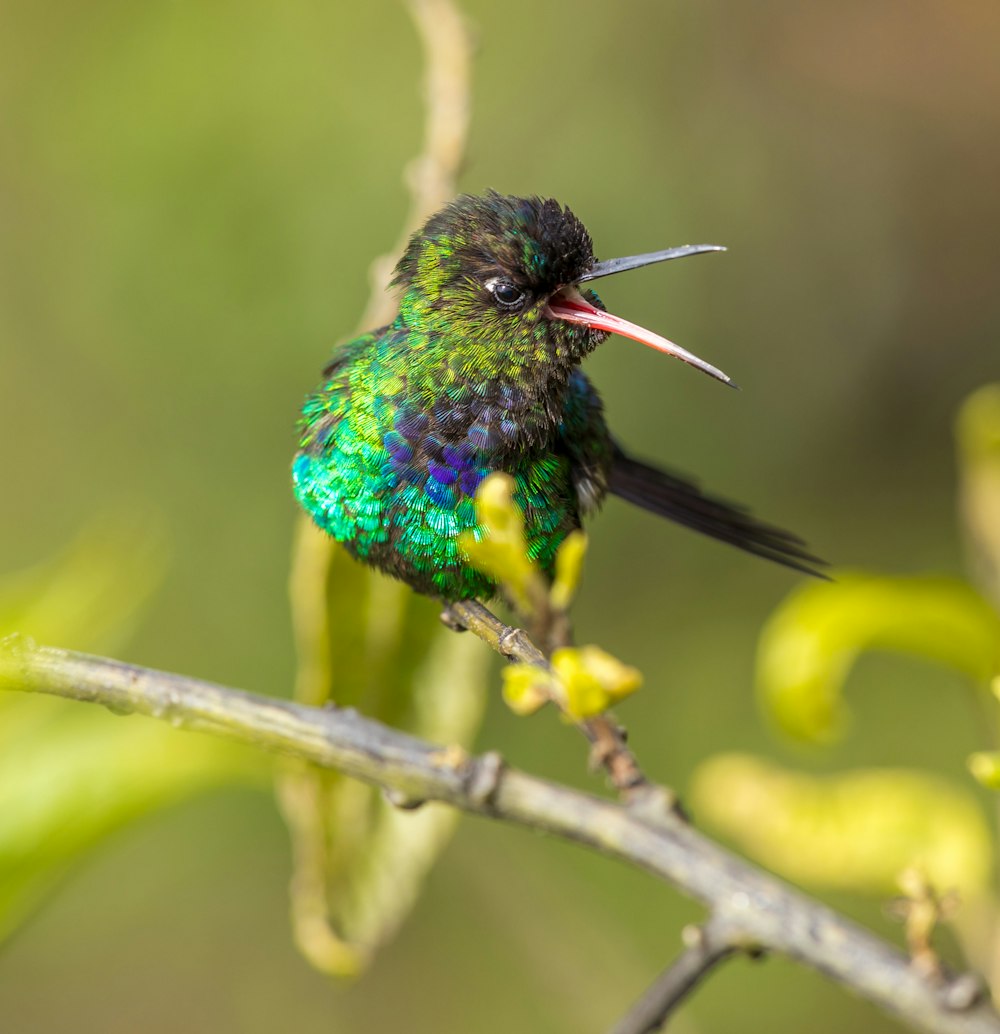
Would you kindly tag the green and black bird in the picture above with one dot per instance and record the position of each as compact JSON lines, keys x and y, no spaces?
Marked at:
{"x":480,"y":372}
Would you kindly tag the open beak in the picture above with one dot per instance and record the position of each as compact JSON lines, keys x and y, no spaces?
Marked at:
{"x":568,"y":304}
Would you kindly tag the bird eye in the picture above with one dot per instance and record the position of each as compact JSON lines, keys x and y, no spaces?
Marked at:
{"x":508,"y":295}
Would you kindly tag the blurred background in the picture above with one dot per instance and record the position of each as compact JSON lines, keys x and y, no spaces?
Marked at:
{"x":190,"y":197}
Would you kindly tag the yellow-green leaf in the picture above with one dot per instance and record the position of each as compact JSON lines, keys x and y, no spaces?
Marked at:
{"x":70,"y":775}
{"x":857,"y":830}
{"x":811,"y":641}
{"x":371,"y":643}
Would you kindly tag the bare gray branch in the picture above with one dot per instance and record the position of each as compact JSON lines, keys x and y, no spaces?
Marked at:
{"x":755,"y":907}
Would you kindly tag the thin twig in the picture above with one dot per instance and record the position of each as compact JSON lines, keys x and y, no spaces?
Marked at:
{"x":759,"y":908}
{"x":705,"y":947}
{"x":609,"y":748}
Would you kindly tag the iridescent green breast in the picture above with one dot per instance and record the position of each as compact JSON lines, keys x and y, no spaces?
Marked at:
{"x":391,"y":454}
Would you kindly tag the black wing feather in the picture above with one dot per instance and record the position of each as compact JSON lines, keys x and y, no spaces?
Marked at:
{"x":683,"y":501}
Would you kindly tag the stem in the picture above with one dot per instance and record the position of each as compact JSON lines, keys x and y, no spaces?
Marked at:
{"x":607,"y":739}
{"x":706,"y":947}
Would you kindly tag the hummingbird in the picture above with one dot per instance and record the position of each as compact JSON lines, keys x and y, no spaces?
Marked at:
{"x":480,"y":372}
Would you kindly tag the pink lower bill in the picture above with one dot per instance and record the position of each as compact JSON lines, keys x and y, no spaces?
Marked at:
{"x":568,"y":304}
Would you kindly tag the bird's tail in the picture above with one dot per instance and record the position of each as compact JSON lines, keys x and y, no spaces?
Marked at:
{"x":683,"y":501}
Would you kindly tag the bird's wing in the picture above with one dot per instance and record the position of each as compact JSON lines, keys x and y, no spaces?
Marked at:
{"x":584,"y":438}
{"x":683,"y":501}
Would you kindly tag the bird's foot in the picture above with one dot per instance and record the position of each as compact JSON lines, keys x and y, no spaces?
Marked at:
{"x":451,"y":620}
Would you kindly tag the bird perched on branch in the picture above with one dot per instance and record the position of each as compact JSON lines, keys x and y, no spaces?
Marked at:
{"x":480,"y":372}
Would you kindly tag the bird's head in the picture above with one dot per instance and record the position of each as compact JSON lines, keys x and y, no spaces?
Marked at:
{"x":509,"y":272}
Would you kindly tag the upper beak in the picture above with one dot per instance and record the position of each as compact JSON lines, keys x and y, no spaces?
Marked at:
{"x":619,"y":265}
{"x":568,"y":304}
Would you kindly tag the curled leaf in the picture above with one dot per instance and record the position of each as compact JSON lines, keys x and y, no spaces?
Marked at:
{"x":857,"y":830}
{"x":811,"y":641}
{"x":368,"y":642}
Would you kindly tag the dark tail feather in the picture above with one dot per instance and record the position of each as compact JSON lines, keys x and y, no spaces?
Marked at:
{"x":683,"y":501}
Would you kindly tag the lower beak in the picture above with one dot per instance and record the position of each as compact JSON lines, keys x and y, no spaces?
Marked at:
{"x":569,"y":305}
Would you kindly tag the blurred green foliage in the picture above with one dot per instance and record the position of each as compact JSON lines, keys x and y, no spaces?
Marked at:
{"x":857,"y":830}
{"x":191,"y":196}
{"x":68,"y":777}
{"x":863,"y":830}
